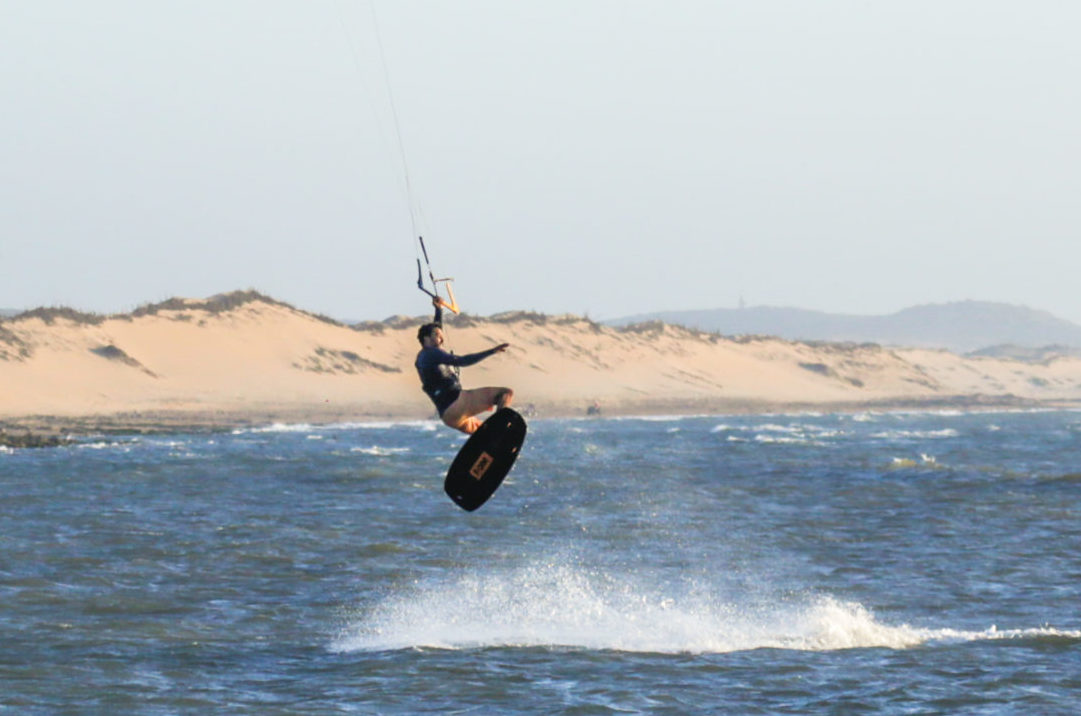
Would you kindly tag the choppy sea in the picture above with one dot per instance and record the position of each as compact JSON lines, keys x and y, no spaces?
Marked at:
{"x":925,"y":562}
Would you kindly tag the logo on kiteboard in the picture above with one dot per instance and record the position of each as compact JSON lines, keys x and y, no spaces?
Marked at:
{"x":481,"y":465}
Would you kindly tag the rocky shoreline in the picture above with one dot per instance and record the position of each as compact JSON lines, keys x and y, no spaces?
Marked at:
{"x":32,"y":440}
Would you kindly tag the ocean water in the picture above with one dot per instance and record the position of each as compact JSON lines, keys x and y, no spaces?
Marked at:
{"x":885,"y":563}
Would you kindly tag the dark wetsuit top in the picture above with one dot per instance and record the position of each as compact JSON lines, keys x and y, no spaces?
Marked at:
{"x":438,"y":370}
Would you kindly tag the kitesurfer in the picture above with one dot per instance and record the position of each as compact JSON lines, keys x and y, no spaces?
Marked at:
{"x":439,"y":370}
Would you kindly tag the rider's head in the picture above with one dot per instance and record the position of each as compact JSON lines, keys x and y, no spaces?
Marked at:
{"x":430,"y":334}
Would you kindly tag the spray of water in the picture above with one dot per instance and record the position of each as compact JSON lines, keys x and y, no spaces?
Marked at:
{"x":557,"y":605}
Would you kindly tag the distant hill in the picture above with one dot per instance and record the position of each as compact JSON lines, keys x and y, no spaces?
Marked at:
{"x":961,"y":327}
{"x":1026,"y":354}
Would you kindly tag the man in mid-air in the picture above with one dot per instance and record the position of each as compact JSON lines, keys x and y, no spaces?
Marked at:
{"x":439,"y":370}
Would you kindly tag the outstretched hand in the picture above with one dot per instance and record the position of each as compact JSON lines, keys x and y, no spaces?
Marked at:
{"x":502,"y":347}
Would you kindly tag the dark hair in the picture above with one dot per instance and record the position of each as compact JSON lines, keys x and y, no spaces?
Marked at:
{"x":425,"y":331}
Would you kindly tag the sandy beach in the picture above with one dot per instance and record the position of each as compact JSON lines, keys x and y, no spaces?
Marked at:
{"x":244,"y":359}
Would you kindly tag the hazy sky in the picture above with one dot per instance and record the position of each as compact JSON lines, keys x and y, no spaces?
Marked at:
{"x":609,"y":157}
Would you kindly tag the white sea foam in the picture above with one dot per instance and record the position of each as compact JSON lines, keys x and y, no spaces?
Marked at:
{"x":800,"y":429}
{"x":655,"y":418}
{"x":956,"y":413}
{"x":776,"y":434}
{"x":424,"y":425}
{"x":163,"y":443}
{"x":276,"y":428}
{"x":765,"y":427}
{"x":787,"y":440}
{"x":379,"y":451}
{"x":774,"y":428}
{"x":924,"y":461}
{"x":994,"y":633}
{"x":915,"y":434}
{"x":105,"y":445}
{"x":559,"y":606}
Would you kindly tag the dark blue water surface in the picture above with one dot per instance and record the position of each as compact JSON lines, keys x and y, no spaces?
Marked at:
{"x":897,"y":563}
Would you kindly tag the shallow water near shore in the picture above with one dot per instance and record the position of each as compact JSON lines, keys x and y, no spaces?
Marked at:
{"x":894,"y":562}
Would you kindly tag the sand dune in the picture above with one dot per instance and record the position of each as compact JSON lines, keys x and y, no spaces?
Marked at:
{"x":243,"y":357}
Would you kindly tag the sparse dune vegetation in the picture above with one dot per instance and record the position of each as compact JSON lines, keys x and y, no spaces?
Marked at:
{"x":245,"y":357}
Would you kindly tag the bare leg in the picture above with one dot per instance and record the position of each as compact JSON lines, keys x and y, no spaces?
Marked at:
{"x":473,"y":402}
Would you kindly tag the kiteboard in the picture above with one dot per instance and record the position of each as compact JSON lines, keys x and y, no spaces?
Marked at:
{"x":485,"y":459}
